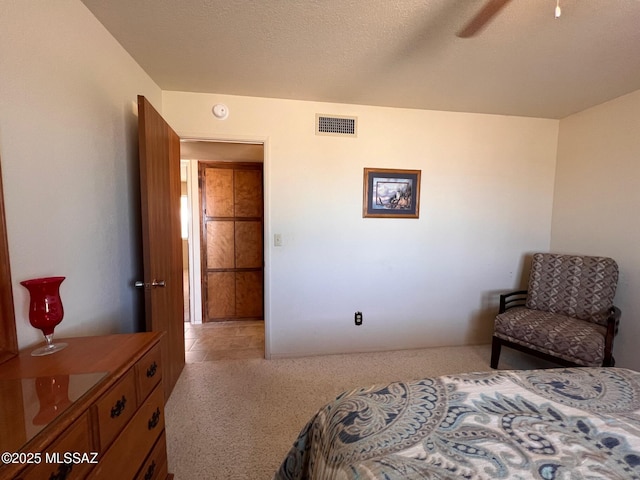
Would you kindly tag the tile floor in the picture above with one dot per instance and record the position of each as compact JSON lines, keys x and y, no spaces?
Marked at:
{"x":224,"y":341}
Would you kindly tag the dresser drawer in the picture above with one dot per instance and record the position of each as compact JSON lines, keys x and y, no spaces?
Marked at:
{"x":115,"y":409}
{"x":148,"y":372}
{"x":76,"y":438}
{"x":156,"y":464}
{"x":128,"y":452}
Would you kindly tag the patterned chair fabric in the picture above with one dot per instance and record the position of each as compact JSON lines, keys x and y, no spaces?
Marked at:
{"x":576,"y":286}
{"x":566,"y":313}
{"x":560,"y":336}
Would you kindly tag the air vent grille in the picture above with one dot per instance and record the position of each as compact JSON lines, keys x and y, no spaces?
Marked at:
{"x":336,"y":125}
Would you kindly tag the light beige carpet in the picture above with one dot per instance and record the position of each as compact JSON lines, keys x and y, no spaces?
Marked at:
{"x":237,"y":419}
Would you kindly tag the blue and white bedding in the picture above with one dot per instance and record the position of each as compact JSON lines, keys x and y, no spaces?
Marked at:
{"x":569,"y":423}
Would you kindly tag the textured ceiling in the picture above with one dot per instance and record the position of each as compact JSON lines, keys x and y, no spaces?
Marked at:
{"x":401,"y":53}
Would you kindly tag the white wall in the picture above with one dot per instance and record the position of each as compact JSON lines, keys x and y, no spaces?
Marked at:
{"x":597,"y":200}
{"x":68,"y":144}
{"x":487,"y":188}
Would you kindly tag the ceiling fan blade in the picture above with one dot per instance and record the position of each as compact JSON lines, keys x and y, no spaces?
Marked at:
{"x":484,"y":16}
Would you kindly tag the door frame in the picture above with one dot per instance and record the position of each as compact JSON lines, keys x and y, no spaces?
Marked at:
{"x":193,"y":242}
{"x":195,"y":297}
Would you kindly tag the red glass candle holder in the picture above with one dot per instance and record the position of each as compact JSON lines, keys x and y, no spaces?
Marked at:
{"x":45,"y":310}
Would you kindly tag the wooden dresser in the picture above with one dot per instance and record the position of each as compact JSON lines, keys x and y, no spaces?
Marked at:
{"x":94,"y":410}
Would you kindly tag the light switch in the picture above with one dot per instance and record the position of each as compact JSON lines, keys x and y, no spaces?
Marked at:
{"x":277,"y":240}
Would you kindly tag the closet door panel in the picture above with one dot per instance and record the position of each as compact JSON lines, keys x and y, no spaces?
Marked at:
{"x":221,"y":298}
{"x":248,"y":193}
{"x":220,"y":244}
{"x":219,"y":192}
{"x":249,"y":294}
{"x":248,"y":241}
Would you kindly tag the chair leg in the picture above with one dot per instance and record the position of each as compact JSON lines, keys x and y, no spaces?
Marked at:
{"x":495,"y":352}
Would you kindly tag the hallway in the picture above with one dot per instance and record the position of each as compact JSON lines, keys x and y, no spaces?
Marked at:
{"x":224,"y":341}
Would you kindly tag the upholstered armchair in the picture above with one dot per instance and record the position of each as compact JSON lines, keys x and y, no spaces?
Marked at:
{"x":566,"y":315}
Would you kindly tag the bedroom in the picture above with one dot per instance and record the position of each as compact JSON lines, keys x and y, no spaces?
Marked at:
{"x":493,"y":188}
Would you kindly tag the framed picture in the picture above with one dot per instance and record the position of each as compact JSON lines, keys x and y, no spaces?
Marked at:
{"x":391,"y":193}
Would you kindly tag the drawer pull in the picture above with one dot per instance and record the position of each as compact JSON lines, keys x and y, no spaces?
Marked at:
{"x":151,"y":371}
{"x":154,"y":420}
{"x":63,"y":470}
{"x":118,"y":408}
{"x":150,"y":471}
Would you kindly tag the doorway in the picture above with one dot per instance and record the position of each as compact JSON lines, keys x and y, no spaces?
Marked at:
{"x":228,"y":337}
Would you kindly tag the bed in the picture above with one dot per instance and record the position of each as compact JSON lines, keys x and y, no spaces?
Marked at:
{"x":568,"y":423}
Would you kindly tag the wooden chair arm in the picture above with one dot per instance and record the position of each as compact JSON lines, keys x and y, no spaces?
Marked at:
{"x":507,"y":302}
{"x":613,"y":323}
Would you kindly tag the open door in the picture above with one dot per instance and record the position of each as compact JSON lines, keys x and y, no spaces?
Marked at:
{"x":161,"y":241}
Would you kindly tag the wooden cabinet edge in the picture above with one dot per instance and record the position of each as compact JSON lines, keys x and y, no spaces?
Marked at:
{"x":83,"y":405}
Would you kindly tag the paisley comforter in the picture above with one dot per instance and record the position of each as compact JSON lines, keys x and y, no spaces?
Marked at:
{"x":570,"y":423}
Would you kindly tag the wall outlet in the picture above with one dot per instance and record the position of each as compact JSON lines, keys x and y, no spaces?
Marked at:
{"x":358,"y":318}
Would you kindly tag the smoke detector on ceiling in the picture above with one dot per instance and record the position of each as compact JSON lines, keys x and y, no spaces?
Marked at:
{"x":220,"y":111}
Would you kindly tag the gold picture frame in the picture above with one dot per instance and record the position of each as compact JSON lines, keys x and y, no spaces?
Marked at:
{"x":391,"y":193}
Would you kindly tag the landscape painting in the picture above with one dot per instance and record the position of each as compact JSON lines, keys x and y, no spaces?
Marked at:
{"x":391,"y":193}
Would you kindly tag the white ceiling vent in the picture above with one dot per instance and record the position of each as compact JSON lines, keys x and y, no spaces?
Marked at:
{"x":336,"y":125}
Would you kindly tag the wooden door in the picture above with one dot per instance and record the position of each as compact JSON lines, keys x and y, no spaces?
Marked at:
{"x":161,"y":241}
{"x":8,"y":335}
{"x":232,"y":245}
